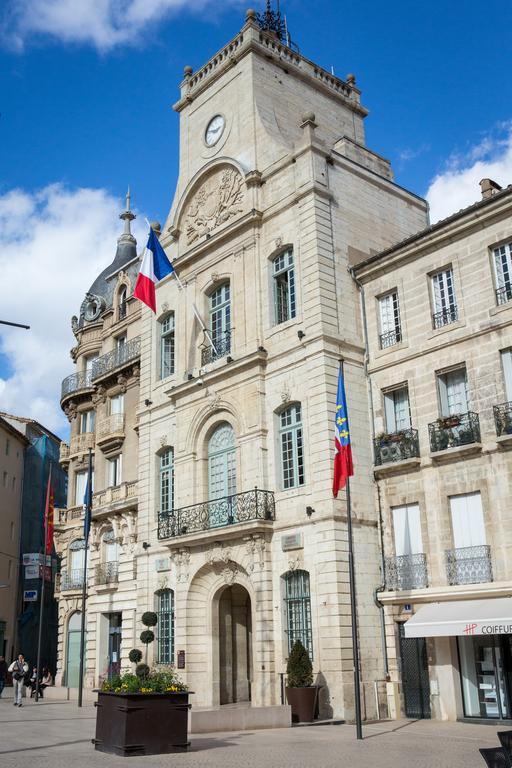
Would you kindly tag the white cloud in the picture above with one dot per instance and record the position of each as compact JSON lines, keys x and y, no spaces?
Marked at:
{"x":104,"y":24}
{"x":457,"y":187}
{"x":53,"y":244}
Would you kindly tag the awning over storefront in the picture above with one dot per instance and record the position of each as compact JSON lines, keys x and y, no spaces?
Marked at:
{"x":462,"y":617}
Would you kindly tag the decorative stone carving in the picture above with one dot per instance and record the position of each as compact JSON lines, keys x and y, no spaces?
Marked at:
{"x":70,"y":409}
{"x":74,"y":326}
{"x":219,"y":199}
{"x":278,"y":242}
{"x":255,"y":547}
{"x":295,"y":563}
{"x":285,"y":393}
{"x":213,"y":400}
{"x":229,"y":573}
{"x":92,"y":307}
{"x":181,"y":560}
{"x":136,"y":372}
{"x":218,"y":554}
{"x":163,"y":440}
{"x":73,"y":352}
{"x":214,"y":277}
{"x":163,"y":583}
{"x":123,"y":382}
{"x":164,"y":307}
{"x":100,"y":395}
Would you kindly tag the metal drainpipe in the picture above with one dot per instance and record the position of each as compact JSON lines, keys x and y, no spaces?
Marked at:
{"x":381,"y":587}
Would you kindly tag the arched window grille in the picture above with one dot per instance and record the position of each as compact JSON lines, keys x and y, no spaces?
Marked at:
{"x":167,"y":346}
{"x":167,"y":480}
{"x":285,"y":305}
{"x":298,"y":610}
{"x":292,"y":446}
{"x":165,"y":626}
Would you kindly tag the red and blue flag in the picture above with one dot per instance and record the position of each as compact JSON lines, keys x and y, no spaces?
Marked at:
{"x":155,"y":266}
{"x":343,"y":467}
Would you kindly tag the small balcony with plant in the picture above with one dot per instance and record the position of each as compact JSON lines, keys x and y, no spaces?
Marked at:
{"x":405,"y":572}
{"x":503,"y":423}
{"x":453,"y":435}
{"x":396,"y":451}
{"x":469,"y":565}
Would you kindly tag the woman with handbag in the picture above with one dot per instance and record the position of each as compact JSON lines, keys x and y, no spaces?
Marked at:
{"x":19,"y":669}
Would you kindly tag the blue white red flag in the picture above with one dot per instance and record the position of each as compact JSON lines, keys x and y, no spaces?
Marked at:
{"x":343,"y":467}
{"x":155,"y":266}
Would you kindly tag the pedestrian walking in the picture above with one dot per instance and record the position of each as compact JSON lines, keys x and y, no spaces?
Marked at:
{"x":19,"y":669}
{"x":3,"y":674}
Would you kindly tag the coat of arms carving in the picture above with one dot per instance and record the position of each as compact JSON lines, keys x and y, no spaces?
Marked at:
{"x":219,"y":199}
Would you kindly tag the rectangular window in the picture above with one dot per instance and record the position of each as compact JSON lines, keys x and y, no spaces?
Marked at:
{"x":396,"y":406}
{"x":407,"y":530}
{"x":444,"y":302}
{"x":120,"y":341}
{"x":453,"y":392}
{"x":114,"y":471}
{"x":80,"y":483}
{"x":116,"y":404}
{"x":165,"y":627}
{"x":298,"y":610}
{"x":467,"y":520}
{"x":5,"y":479}
{"x":167,"y":346}
{"x":7,"y":446}
{"x":87,"y":420}
{"x":506,"y":363}
{"x":13,"y":483}
{"x":284,"y":287}
{"x":292,"y":447}
{"x":389,"y":316}
{"x":166,"y":481}
{"x":503,"y":273}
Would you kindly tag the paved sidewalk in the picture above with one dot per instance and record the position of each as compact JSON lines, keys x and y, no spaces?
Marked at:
{"x":53,"y":734}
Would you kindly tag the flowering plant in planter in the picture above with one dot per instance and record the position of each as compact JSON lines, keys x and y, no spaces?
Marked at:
{"x":152,"y":682}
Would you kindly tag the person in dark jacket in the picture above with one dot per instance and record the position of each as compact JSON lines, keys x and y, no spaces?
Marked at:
{"x":3,"y":674}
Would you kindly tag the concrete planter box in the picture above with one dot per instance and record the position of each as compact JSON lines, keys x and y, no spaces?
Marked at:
{"x":129,"y":724}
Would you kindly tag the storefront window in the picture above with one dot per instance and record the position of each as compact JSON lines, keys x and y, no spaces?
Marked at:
{"x":485,"y":669}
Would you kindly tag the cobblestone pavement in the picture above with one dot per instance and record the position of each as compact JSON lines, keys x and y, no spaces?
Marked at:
{"x":56,"y":734}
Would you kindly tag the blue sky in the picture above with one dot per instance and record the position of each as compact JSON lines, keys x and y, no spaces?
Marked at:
{"x":85,"y":103}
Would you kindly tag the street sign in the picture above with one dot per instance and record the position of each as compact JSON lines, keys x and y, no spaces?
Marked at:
{"x":30,"y":596}
{"x":181,"y":659}
{"x":32,"y":571}
{"x":32,"y":558}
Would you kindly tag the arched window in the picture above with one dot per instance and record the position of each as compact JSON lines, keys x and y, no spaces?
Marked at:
{"x":222,"y":462}
{"x":284,"y":287}
{"x":292,"y":447}
{"x":165,"y":626}
{"x":121,"y":307}
{"x":220,"y":325}
{"x":297,"y":602}
{"x":167,"y":480}
{"x":73,"y":649}
{"x":167,"y":344}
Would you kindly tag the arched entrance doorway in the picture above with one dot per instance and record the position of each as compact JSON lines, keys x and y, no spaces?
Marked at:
{"x":235,"y":645}
{"x":73,"y":650}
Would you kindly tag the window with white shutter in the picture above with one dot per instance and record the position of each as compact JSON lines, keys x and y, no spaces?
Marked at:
{"x":443,"y":299}
{"x":389,"y":317}
{"x":503,"y":273}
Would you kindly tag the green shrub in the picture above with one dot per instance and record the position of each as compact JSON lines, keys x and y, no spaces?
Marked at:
{"x":142,"y":670}
{"x":135,"y":655}
{"x":147,"y":636}
{"x":299,"y":669}
{"x":149,"y":619}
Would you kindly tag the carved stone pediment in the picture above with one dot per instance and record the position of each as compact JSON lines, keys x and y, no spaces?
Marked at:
{"x":219,"y":198}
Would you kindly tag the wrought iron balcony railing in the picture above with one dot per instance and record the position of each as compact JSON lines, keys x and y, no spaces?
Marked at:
{"x":453,"y":431}
{"x":121,"y":355}
{"x":390,"y":338}
{"x":222,"y":343}
{"x":503,"y":419}
{"x":406,"y":572}
{"x":122,"y":310}
{"x":445,"y":317}
{"x":396,"y":446}
{"x":73,"y":579}
{"x":503,"y":294}
{"x":106,"y":573}
{"x":75,"y":383}
{"x":469,"y":565}
{"x":218,"y":513}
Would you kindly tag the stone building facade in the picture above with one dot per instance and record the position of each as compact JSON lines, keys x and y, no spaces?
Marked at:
{"x":246,"y":550}
{"x":439,"y":328}
{"x":101,"y":400}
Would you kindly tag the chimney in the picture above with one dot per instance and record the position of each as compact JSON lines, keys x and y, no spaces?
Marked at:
{"x":489,"y":188}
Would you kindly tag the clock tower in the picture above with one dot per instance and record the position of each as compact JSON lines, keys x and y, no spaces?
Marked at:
{"x":277,"y":196}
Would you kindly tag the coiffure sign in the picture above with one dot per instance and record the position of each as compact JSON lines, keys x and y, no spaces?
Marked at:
{"x":487,"y":629}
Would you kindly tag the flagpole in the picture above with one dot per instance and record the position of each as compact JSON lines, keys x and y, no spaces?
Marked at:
{"x":353,"y":604}
{"x":194,"y":308}
{"x":87,"y":522}
{"x":43,"y":573}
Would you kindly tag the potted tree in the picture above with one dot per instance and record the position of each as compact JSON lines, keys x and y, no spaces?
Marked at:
{"x":300,"y":691}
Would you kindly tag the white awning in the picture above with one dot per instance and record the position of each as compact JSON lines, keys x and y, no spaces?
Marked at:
{"x":462,"y":617}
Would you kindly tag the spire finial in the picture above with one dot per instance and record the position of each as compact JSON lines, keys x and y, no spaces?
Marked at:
{"x":127,"y":216}
{"x":273,"y":21}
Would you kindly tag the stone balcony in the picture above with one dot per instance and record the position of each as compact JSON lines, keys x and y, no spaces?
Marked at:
{"x":80,"y":444}
{"x":69,"y":516}
{"x":114,"y":361}
{"x":219,"y":518}
{"x":64,"y":454}
{"x":114,"y":499}
{"x":110,"y":432}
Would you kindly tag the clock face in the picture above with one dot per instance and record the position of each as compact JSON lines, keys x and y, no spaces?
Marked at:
{"x":214,"y":130}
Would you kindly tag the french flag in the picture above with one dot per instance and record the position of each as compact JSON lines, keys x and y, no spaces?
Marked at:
{"x":155,"y":266}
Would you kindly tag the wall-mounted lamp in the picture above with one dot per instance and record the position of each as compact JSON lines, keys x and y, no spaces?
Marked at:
{"x":146,"y":545}
{"x":229,"y":359}
{"x":148,"y":402}
{"x":190,"y":376}
{"x":309,"y":511}
{"x":301,"y":335}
